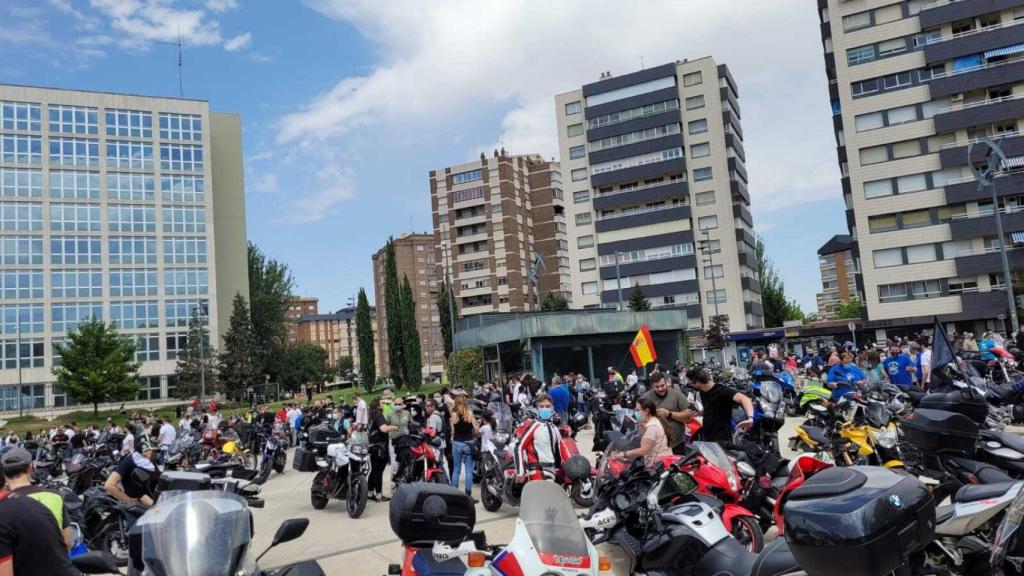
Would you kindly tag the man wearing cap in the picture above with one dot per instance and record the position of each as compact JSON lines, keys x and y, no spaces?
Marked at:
{"x":122,"y":484}
{"x":34,"y":532}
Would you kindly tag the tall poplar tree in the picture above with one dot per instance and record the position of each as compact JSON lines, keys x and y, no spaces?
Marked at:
{"x":393,"y":310}
{"x":444,"y":311}
{"x":364,"y":337}
{"x":411,"y":336}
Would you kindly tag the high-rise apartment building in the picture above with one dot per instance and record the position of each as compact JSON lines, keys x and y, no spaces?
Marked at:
{"x":494,"y":218}
{"x":654,"y":164}
{"x":126,"y":208}
{"x":913,"y":84}
{"x":300,"y":306}
{"x":414,"y":259}
{"x":336,"y":334}
{"x":838,"y":268}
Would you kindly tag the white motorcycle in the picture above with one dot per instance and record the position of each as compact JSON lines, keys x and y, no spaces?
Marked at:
{"x":342,"y":475}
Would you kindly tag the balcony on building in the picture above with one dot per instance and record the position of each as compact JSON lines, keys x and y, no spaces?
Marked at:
{"x":976,"y":225}
{"x":641,"y":194}
{"x":642,"y":217}
{"x":986,"y":109}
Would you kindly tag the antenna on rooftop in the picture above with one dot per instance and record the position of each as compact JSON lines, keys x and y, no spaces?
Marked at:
{"x":181,"y":91}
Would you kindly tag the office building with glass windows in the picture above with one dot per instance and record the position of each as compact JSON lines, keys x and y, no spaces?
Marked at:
{"x":653,"y":164}
{"x":493,"y":218}
{"x":912,"y":85}
{"x":126,"y":208}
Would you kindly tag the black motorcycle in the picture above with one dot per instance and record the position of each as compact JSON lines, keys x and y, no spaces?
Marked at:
{"x":273,"y":454}
{"x":342,"y":475}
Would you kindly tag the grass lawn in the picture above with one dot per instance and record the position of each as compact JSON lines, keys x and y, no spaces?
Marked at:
{"x":85,"y":417}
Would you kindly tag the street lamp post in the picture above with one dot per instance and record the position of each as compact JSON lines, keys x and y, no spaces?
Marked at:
{"x":618,"y":278}
{"x":995,"y":160}
{"x":203,"y":308}
{"x":21,"y":400}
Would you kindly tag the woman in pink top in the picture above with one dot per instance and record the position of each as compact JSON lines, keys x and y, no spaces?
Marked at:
{"x":653,"y":441}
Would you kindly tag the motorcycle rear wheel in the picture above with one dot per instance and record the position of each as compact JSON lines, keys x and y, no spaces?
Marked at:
{"x":279,"y":462}
{"x":440,"y":477}
{"x":356,"y":501}
{"x":113,"y":543}
{"x":264,"y":471}
{"x":491,"y":502}
{"x":747,"y":531}
{"x":317,"y":494}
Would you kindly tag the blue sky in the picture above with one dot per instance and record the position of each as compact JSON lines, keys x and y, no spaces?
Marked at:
{"x":347,"y":105}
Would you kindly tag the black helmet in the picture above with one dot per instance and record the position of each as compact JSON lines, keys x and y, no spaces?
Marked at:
{"x":577,"y":467}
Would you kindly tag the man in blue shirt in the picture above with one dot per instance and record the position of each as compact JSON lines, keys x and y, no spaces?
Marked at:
{"x":560,"y":401}
{"x":898,"y":367}
{"x":844,"y":378}
{"x":985,"y":346}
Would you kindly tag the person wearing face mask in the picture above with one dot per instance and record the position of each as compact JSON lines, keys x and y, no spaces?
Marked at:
{"x":538,"y":442}
{"x":653,"y":440}
{"x":845,"y":378}
{"x":122,"y":485}
{"x":397,"y":428}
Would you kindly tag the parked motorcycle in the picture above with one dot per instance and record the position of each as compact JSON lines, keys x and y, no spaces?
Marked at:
{"x":342,"y":476}
{"x":424,"y":458}
{"x":273,"y":454}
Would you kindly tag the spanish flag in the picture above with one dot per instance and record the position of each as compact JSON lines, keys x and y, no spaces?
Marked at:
{"x":642,"y":348}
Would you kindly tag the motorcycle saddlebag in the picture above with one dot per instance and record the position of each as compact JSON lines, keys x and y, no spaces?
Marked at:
{"x":939,"y":430}
{"x":188,"y":481}
{"x":304,"y":460}
{"x":423,"y":513}
{"x":858,"y":520}
{"x":955,"y":401}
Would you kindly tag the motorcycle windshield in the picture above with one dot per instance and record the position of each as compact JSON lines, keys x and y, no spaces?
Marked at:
{"x":552,"y":525}
{"x":611,"y":467}
{"x":1007,"y":534}
{"x":877,"y":414}
{"x":714,"y":454}
{"x":771,"y":392}
{"x":503,"y":420}
{"x":194,"y":534}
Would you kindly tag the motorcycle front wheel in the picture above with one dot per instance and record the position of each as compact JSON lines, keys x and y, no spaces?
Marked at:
{"x":748,"y":532}
{"x":114,"y":543}
{"x":279,"y":461}
{"x":356,"y":501}
{"x":264,"y":472}
{"x":317,"y":493}
{"x":582,"y":493}
{"x":248,"y":460}
{"x":491,"y":502}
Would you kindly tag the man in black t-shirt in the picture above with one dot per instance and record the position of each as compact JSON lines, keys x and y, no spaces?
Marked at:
{"x":31,"y":540}
{"x":718,"y":401}
{"x":121,"y":483}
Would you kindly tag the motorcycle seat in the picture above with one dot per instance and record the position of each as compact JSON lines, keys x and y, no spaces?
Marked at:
{"x":985,"y":473}
{"x":944,"y":513}
{"x":1008,"y":439}
{"x":816,"y":434}
{"x":829,"y":482}
{"x":730,"y":557}
{"x":976,"y":492}
{"x":779,"y":482}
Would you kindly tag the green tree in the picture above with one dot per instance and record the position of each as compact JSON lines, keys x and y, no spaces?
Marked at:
{"x":346,"y":365}
{"x":687,"y":350}
{"x":196,"y":361}
{"x":554,"y":301}
{"x":364,"y":337}
{"x":777,"y":307}
{"x":637,"y":301}
{"x":466,"y":366}
{"x":714,"y":335}
{"x":97,"y":365}
{"x":849,"y":309}
{"x":270,"y":295}
{"x":393,"y":312}
{"x":238,"y":363}
{"x":413,"y":376}
{"x":305,"y":364}
{"x":444,"y":310}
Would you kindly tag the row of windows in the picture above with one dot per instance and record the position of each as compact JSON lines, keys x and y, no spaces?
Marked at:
{"x":883,"y":15}
{"x":917,"y":254}
{"x":896,"y":81}
{"x":469,"y":176}
{"x":899,"y":115}
{"x":66,"y":316}
{"x":891,"y":47}
{"x":914,"y":219}
{"x":633,"y":161}
{"x":28,"y":250}
{"x":634,"y":137}
{"x":680,"y":275}
{"x":633,"y":114}
{"x":86,"y":185}
{"x":84,"y":120}
{"x":25,"y":216}
{"x":20,"y":149}
{"x":15,"y":284}
{"x":905,"y":149}
{"x":910,"y":183}
{"x":646,"y":254}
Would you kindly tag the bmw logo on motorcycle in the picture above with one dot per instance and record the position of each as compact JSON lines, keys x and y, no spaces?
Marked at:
{"x":895,"y":501}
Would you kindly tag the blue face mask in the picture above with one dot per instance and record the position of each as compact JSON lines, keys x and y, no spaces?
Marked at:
{"x":545,"y":413}
{"x":848,"y":366}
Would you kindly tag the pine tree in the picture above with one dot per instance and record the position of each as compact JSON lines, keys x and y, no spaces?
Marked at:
{"x":393,"y":310}
{"x":97,"y":365}
{"x":238,"y":361}
{"x":364,"y":336}
{"x":637,"y":301}
{"x":270,"y":295}
{"x":554,"y":301}
{"x":444,"y":311}
{"x":413,"y":358}
{"x":195,"y":362}
{"x":714,"y":336}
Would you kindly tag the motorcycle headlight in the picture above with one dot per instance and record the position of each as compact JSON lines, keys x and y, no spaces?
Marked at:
{"x":886,"y":438}
{"x":358,"y":450}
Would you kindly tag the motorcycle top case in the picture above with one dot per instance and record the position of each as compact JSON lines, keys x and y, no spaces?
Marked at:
{"x":969,"y":405}
{"x":422,"y":513}
{"x":941,"y":431}
{"x":188,"y":481}
{"x":304,"y":460}
{"x":858,"y":520}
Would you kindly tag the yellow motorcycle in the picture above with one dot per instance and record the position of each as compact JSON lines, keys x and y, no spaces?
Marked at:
{"x":853,"y":433}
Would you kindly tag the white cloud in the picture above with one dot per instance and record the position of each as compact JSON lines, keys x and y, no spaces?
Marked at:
{"x":139,"y":22}
{"x":334,"y":183}
{"x":447,"y":61}
{"x":221,"y":5}
{"x":238,"y":42}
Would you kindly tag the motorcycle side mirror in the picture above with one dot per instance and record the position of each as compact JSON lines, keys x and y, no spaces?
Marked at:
{"x":95,"y":563}
{"x":289,"y":530}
